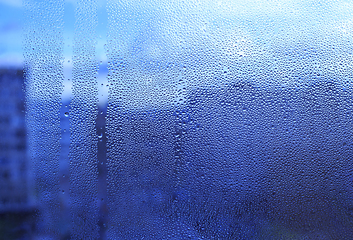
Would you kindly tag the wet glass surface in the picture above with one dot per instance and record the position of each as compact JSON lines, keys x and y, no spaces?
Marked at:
{"x":176,"y":119}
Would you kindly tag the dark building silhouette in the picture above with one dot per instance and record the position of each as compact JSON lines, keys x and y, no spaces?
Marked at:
{"x":15,"y":189}
{"x":17,"y":202}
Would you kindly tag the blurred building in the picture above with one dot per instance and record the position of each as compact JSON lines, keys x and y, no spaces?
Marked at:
{"x":15,"y":193}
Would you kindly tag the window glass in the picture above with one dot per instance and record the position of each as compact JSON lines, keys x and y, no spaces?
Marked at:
{"x":176,"y":119}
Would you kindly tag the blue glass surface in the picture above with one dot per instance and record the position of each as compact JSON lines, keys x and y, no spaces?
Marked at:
{"x":176,"y":119}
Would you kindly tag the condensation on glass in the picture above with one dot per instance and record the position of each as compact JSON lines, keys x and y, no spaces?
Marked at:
{"x":190,"y":119}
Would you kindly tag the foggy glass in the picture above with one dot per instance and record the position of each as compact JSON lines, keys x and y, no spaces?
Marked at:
{"x":176,"y":119}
